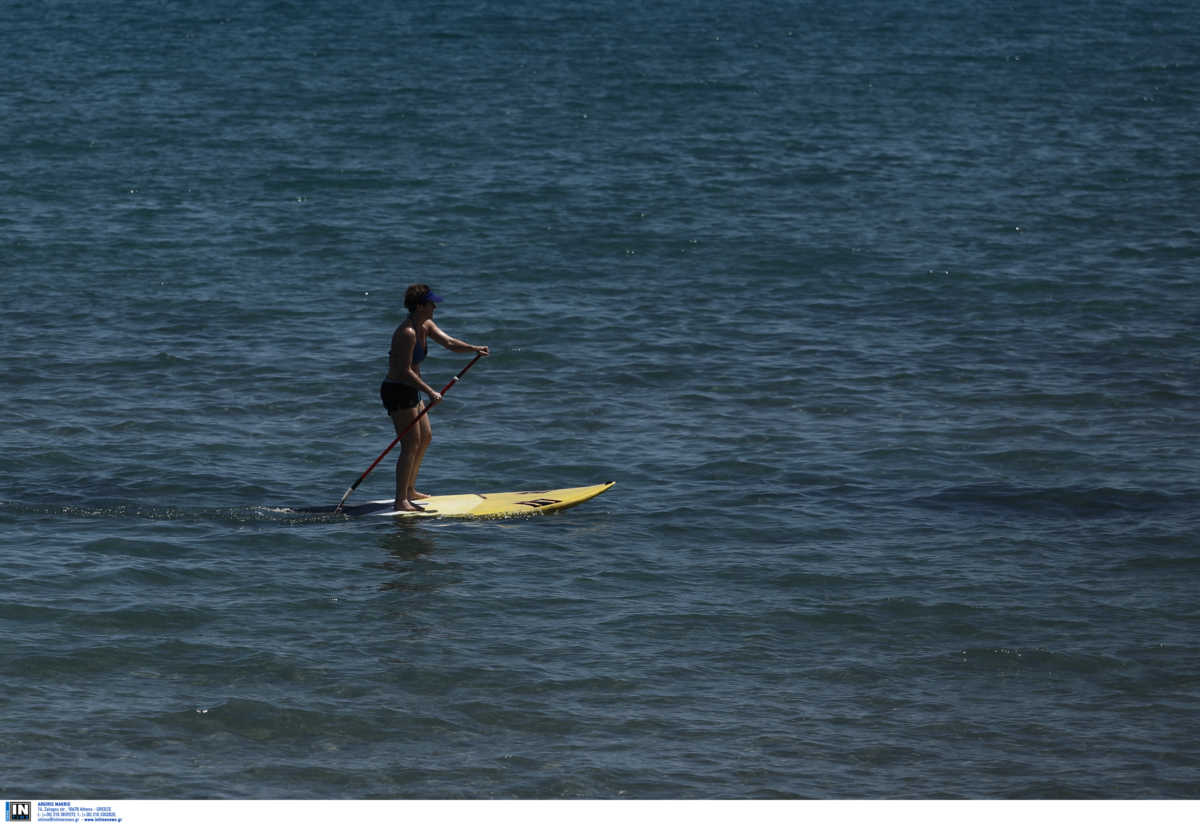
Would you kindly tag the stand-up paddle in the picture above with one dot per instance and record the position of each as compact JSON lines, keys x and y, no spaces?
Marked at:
{"x":404,"y":432}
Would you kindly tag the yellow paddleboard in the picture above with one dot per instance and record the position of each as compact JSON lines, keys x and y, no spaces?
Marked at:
{"x":487,"y":504}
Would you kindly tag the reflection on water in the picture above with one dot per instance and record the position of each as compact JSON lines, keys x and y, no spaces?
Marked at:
{"x":407,"y":544}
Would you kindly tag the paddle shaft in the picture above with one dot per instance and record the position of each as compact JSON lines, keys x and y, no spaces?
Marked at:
{"x":404,"y":432}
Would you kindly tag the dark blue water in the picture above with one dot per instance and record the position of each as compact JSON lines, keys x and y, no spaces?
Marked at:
{"x":882,"y":316}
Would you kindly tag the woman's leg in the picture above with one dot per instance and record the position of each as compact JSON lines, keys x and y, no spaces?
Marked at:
{"x":425,"y":434}
{"x":406,"y":463}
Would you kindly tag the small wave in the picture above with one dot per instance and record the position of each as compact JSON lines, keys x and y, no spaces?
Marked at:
{"x":1075,"y":502}
{"x":258,"y":720}
{"x":1147,"y":563}
{"x":117,"y":512}
{"x":1037,"y":660}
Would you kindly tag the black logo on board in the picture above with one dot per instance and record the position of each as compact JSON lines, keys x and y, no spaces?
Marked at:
{"x":538,"y":503}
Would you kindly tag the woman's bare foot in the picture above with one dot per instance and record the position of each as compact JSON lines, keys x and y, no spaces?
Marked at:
{"x":414,"y":495}
{"x":406,"y":505}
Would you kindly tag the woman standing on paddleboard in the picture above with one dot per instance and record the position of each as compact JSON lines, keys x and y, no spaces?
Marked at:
{"x":402,"y":387}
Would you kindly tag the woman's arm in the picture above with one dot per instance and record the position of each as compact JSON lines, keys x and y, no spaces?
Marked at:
{"x":453,"y":344}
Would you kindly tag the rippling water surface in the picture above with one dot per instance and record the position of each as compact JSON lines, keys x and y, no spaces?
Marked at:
{"x":881,"y":317}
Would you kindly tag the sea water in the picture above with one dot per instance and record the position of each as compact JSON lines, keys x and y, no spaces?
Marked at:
{"x":881,"y":315}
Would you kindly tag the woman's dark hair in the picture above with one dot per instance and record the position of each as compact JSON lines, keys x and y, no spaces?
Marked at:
{"x":415,"y":295}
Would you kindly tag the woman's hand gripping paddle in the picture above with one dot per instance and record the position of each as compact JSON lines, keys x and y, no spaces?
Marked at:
{"x":404,"y":432}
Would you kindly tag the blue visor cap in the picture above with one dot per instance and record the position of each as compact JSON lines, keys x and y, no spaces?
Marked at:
{"x":431,"y":298}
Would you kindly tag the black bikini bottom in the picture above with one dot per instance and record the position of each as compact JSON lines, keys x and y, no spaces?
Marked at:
{"x":398,"y":396}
